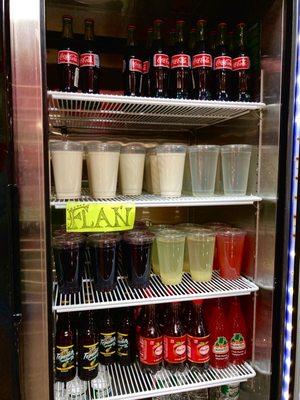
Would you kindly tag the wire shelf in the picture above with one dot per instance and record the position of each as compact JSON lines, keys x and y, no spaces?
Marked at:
{"x":130,"y":383}
{"x":111,"y":112}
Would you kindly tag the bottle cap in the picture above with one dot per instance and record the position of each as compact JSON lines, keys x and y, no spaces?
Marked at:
{"x":67,"y":17}
{"x":150,"y":29}
{"x":222,"y":24}
{"x":180,"y":21}
{"x":198,"y":302}
{"x":89,"y":21}
{"x":242,"y":24}
{"x":201,"y":21}
{"x":158,"y":21}
{"x":131,"y":26}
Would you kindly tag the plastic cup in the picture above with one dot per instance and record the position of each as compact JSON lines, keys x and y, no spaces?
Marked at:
{"x":215,"y":226}
{"x":201,"y":246}
{"x":171,"y":159}
{"x":186,"y":227}
{"x":67,"y":159}
{"x":235,"y":168}
{"x":187,"y":179}
{"x":203,"y":166}
{"x":155,"y":183}
{"x":102,"y":165}
{"x":132,"y":160}
{"x":154,"y":254}
{"x":170,"y":248}
{"x":230,"y":244}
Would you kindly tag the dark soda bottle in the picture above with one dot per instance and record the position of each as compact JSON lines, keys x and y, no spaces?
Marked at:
{"x":172,"y":42}
{"x":198,"y":350}
{"x":186,"y":314}
{"x":241,"y":66}
{"x":160,"y":64}
{"x":164,"y":312}
{"x":192,"y":41}
{"x":132,"y":66}
{"x":68,"y":58}
{"x":174,"y":341}
{"x":125,"y":339}
{"x":88,"y":347}
{"x":212,"y":42}
{"x":65,"y":361}
{"x":222,"y":65}
{"x":107,"y":339}
{"x":138,"y":326}
{"x":150,"y":342}
{"x":89,"y":61}
{"x":181,"y":76}
{"x":146,"y":91}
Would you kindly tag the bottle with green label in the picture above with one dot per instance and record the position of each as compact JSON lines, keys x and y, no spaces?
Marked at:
{"x":107,"y":339}
{"x":88,"y":347}
{"x":125,"y":338}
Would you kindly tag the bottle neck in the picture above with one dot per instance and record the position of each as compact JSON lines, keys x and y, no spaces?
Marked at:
{"x":241,"y":37}
{"x":130,"y":38}
{"x":175,"y":312}
{"x":67,"y":30}
{"x":180,"y":35}
{"x":149,"y":40}
{"x":157,"y":32}
{"x":89,"y":32}
{"x":222,"y":37}
{"x":201,"y":32}
{"x":150,"y":313}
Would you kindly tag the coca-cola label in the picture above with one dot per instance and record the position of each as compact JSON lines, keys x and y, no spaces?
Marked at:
{"x":220,"y":349}
{"x":161,"y":60}
{"x":223,"y":62}
{"x":198,"y":349}
{"x":202,"y":60}
{"x":181,"y":61}
{"x":175,"y":349}
{"x":68,"y":57}
{"x":146,"y":67}
{"x":65,"y":358}
{"x":107,"y":343}
{"x":151,"y":350}
{"x":238,"y":345}
{"x":240,"y":63}
{"x":90,"y":355}
{"x":89,"y":60}
{"x":135,"y":65}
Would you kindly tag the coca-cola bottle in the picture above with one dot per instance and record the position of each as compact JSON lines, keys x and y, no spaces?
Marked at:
{"x":88,"y":347}
{"x":237,"y":333}
{"x":174,"y":341}
{"x":132,"y":66}
{"x":172,"y":42}
{"x":241,"y":66}
{"x":181,"y":76}
{"x":89,"y":61}
{"x":186,"y":314}
{"x":198,"y":350}
{"x":222,"y":65}
{"x":125,"y":339}
{"x":164,"y":311}
{"x":212,"y":42}
{"x":65,"y":363}
{"x":192,"y":41}
{"x":146,"y":64}
{"x":160,"y":64}
{"x":150,"y":342}
{"x":107,"y":339}
{"x":219,"y":337}
{"x":68,"y":58}
{"x":202,"y":65}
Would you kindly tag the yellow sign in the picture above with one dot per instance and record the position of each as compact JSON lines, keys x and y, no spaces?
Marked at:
{"x":89,"y":217}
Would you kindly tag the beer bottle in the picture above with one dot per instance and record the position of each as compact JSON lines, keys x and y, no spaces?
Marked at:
{"x":65,"y":364}
{"x":146,"y":64}
{"x":202,"y":65}
{"x":132,"y":66}
{"x":241,"y":66}
{"x":107,"y":339}
{"x":160,"y":64}
{"x":222,"y":65}
{"x":125,"y":339}
{"x":68,"y":58}
{"x":89,"y":61}
{"x":88,"y":347}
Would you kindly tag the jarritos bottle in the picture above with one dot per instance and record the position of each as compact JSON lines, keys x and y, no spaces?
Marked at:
{"x":132,"y":66}
{"x":237,"y":333}
{"x":107,"y":339}
{"x":88,"y":347}
{"x":125,"y":339}
{"x":68,"y":58}
{"x":146,"y":64}
{"x":241,"y":66}
{"x":222,"y":65}
{"x":150,"y":342}
{"x":89,"y":61}
{"x":219,"y":337}
{"x":174,"y":342}
{"x":65,"y":363}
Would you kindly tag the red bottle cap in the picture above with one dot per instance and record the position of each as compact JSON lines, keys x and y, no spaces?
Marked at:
{"x":90,"y":20}
{"x":158,"y":21}
{"x":193,"y":30}
{"x":241,"y":24}
{"x":180,"y":21}
{"x":201,"y":21}
{"x":222,"y":24}
{"x":198,"y":302}
{"x":131,"y":27}
{"x":150,"y":29}
{"x":67,"y":17}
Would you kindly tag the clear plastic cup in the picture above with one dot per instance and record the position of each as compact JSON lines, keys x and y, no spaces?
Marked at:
{"x":235,"y":168}
{"x":215,"y":226}
{"x":132,"y":160}
{"x":187,"y":179}
{"x":170,"y":248}
{"x":186,"y":227}
{"x":101,"y":385}
{"x":154,"y":254}
{"x":102,"y":164}
{"x":155,"y":183}
{"x":201,"y":246}
{"x":171,"y":159}
{"x":77,"y":389}
{"x":67,"y":159}
{"x":203,"y":166}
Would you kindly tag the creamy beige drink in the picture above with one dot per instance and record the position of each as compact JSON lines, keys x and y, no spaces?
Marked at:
{"x":102,"y":164}
{"x":154,"y":172}
{"x":132,"y":160}
{"x":67,"y":159}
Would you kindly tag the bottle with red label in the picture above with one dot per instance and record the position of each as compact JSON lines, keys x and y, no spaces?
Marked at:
{"x":198,"y":350}
{"x":181,"y":72}
{"x":222,"y":65}
{"x":65,"y":352}
{"x":160,"y":63}
{"x":237,"y":332}
{"x":150,"y":342}
{"x":174,"y":341}
{"x":219,"y":337}
{"x":68,"y":58}
{"x":146,"y":64}
{"x":202,"y":65}
{"x":89,"y":61}
{"x":88,"y":347}
{"x":132,"y":66}
{"x":241,"y":66}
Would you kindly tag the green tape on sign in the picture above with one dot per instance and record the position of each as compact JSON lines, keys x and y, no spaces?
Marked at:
{"x":86,"y":217}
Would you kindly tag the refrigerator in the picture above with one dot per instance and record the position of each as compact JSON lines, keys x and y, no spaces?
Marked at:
{"x":40,"y":113}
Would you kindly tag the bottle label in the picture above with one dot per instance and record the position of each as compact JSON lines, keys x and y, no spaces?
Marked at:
{"x":175,"y":349}
{"x":151,"y":350}
{"x":65,"y":358}
{"x":238,"y":345}
{"x":181,"y":61}
{"x":76,"y":77}
{"x":161,"y":60}
{"x":67,"y":57}
{"x":89,"y":60}
{"x":135,"y":65}
{"x":146,"y":67}
{"x":123,"y":344}
{"x":223,"y":62}
{"x":231,"y":392}
{"x":221,"y":349}
{"x":107,"y":344}
{"x":90,"y":356}
{"x":198,"y":349}
{"x":202,"y":60}
{"x":241,"y":63}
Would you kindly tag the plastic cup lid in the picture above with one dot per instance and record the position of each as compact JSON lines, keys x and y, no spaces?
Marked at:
{"x":186,"y":226}
{"x":203,"y":147}
{"x":231,"y":232}
{"x":139,"y":237}
{"x":68,"y":240}
{"x":156,"y":228}
{"x":200,"y":232}
{"x":171,"y":148}
{"x":137,"y":148}
{"x":236,"y":148}
{"x":60,"y":145}
{"x":216,"y":225}
{"x":138,"y":224}
{"x":104,"y":239}
{"x":170,"y":234}
{"x":103,"y":146}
